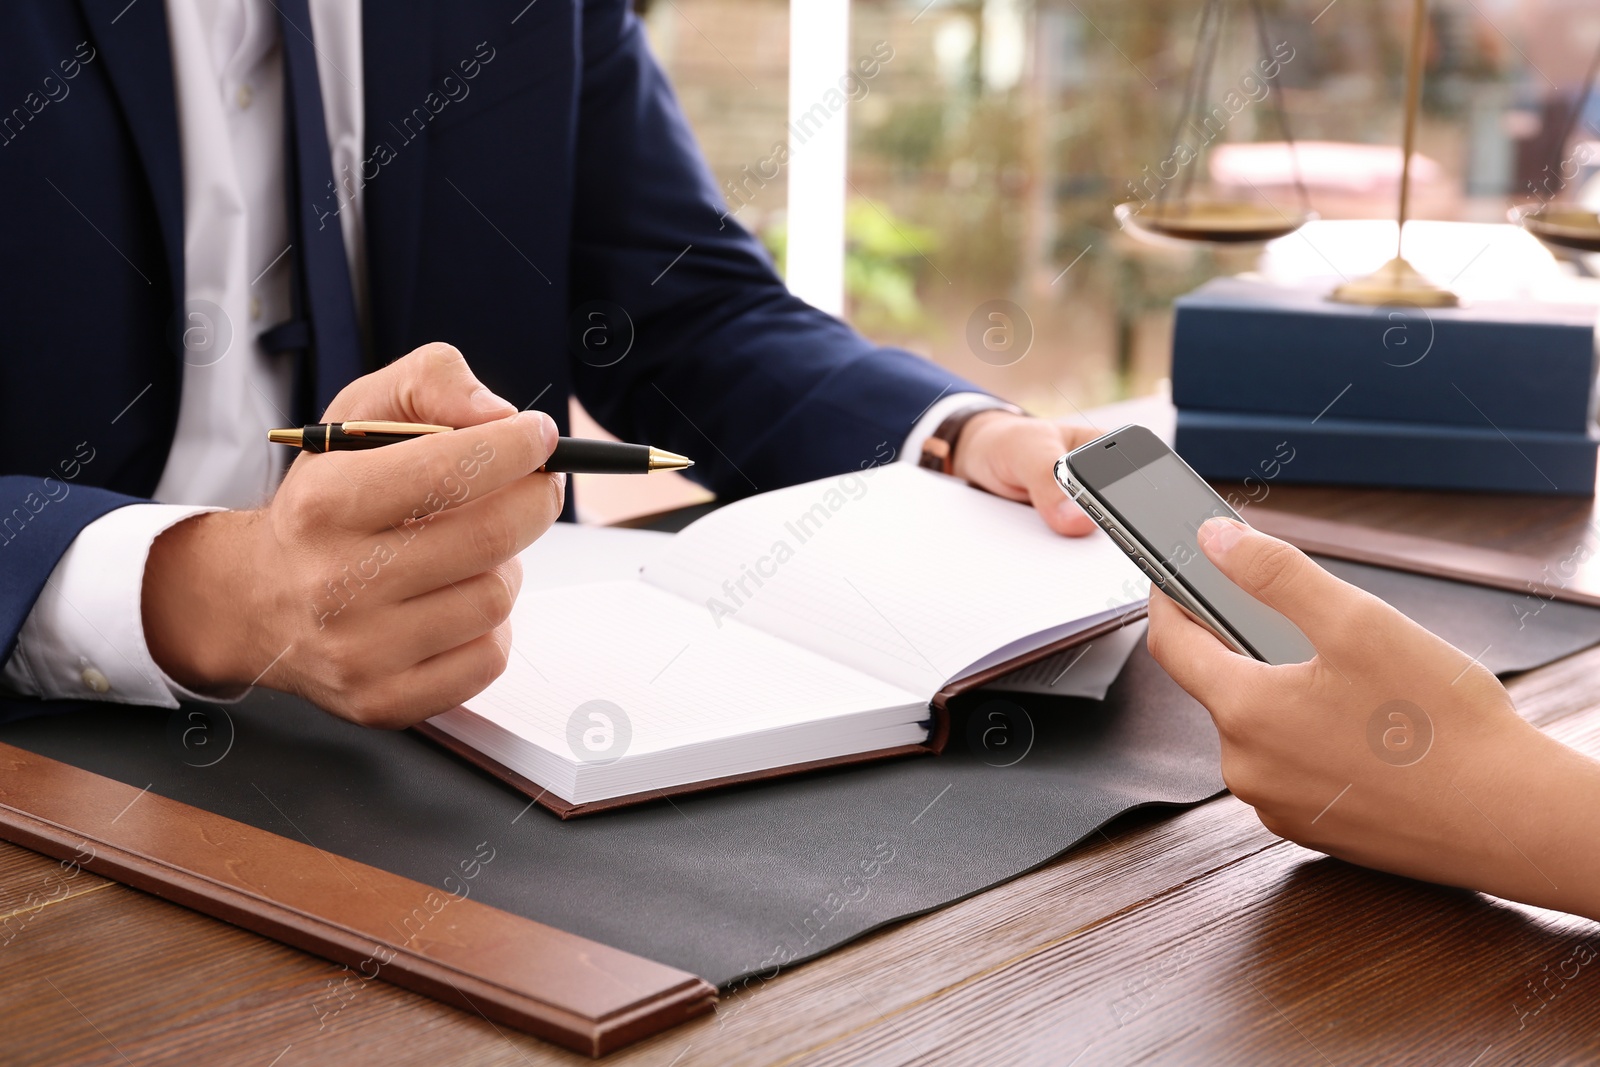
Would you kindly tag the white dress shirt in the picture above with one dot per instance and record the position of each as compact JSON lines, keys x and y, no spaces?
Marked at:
{"x":84,"y":637}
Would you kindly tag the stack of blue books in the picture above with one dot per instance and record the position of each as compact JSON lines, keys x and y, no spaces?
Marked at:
{"x":1277,"y":382}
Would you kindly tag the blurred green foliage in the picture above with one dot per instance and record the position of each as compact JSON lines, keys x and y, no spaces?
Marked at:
{"x":883,"y":255}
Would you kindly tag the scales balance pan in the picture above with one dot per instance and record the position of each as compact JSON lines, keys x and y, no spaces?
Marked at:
{"x":1567,"y":226}
{"x":1563,"y":227}
{"x":1214,"y":221}
{"x":1186,"y":218}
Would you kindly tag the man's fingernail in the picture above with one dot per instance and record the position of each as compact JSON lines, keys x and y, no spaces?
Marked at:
{"x":482,"y":399}
{"x":543,"y":424}
{"x":561,"y":480}
{"x":1219,"y":535}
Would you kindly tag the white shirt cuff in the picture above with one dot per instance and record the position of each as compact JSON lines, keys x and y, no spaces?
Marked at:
{"x":84,"y":638}
{"x":942,"y":409}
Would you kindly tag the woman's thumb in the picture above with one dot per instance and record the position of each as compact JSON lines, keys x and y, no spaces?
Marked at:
{"x":1279,"y":575}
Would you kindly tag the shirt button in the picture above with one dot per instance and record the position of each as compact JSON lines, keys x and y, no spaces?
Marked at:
{"x":95,"y":680}
{"x":245,"y":96}
{"x":255,"y":308}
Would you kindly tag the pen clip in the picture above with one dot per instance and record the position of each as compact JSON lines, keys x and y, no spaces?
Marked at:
{"x":362,"y":428}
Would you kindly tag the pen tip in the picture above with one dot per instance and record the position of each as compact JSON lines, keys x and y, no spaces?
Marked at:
{"x":662,"y":460}
{"x":286,"y":437}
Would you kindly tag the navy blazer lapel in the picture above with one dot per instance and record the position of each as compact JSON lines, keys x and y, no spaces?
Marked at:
{"x":132,"y":38}
{"x":397,"y":46}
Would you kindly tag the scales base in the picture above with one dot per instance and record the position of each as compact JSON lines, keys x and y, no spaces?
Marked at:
{"x":1396,"y":282}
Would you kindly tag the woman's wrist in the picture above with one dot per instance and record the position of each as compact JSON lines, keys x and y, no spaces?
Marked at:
{"x":1532,"y":824}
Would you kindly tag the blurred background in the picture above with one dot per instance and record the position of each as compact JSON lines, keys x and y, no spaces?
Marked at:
{"x":987,"y":149}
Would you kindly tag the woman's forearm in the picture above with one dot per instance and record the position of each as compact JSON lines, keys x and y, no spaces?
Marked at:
{"x":1549,"y":852}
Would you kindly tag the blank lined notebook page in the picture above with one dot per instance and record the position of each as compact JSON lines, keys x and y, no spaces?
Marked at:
{"x":900,"y":572}
{"x":679,"y":677}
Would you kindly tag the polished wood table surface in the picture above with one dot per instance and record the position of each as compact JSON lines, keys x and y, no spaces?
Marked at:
{"x":1193,"y":937}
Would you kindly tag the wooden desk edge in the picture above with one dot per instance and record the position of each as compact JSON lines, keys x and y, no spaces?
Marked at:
{"x":656,"y":996}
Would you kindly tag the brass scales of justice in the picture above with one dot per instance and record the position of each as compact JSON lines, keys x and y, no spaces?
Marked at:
{"x":1205,"y":220}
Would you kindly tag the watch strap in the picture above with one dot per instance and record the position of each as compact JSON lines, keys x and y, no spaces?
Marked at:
{"x":939,"y":450}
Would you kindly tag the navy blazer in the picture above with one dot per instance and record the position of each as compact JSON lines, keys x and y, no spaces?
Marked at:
{"x":496,"y":206}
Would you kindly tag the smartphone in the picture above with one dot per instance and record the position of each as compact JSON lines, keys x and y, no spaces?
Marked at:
{"x":1152,"y":504}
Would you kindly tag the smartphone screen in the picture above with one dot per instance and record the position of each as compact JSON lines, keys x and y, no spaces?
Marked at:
{"x":1161,"y":501}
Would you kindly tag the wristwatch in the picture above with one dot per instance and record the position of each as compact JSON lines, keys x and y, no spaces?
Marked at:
{"x":939,"y":450}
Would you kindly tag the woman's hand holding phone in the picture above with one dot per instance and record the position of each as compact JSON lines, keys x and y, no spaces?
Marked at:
{"x":1390,"y":748}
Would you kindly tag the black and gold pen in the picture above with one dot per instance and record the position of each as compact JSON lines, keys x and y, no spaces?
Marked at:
{"x":574,"y":455}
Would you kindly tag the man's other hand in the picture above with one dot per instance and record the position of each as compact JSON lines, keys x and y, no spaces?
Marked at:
{"x":1014,"y":456}
{"x":378,"y":583}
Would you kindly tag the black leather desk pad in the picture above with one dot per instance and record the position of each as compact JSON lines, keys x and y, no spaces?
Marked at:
{"x":1506,"y":632}
{"x":729,"y":884}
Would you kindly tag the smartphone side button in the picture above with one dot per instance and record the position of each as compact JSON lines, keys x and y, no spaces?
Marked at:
{"x":1151,"y":573}
{"x":1122,"y":543}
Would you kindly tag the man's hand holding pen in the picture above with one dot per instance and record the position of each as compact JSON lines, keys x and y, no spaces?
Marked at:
{"x":376,"y":583}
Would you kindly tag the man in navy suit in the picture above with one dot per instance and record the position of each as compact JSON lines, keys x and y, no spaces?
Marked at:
{"x":229,"y":214}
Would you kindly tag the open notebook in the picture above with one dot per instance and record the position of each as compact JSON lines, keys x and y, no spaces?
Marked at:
{"x":824,"y":623}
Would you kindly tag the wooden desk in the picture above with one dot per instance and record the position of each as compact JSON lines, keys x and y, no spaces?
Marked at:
{"x":1190,"y":938}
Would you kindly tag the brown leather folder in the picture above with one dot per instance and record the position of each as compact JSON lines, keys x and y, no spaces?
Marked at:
{"x":586,"y":996}
{"x":1554,"y":557}
{"x":1545,"y":547}
{"x":938,"y":734}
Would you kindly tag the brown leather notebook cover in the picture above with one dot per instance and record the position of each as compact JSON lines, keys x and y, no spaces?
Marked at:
{"x":586,"y":996}
{"x":937,"y":736}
